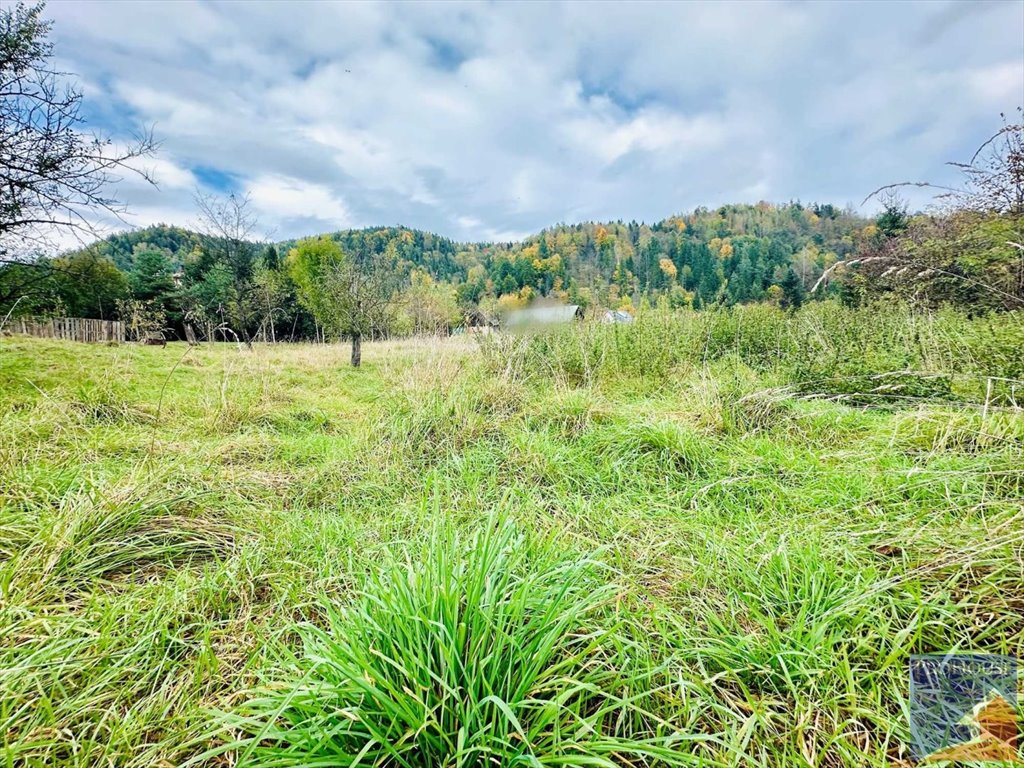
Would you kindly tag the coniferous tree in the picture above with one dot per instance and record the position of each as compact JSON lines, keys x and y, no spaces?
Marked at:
{"x":152,"y":277}
{"x":792,"y":290}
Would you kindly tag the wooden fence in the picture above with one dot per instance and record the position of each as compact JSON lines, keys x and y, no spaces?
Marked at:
{"x":70,"y":329}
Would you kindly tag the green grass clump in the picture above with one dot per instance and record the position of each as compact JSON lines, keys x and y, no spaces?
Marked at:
{"x":82,"y":536}
{"x":483,"y":652}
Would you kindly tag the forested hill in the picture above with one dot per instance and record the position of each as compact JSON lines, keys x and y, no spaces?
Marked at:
{"x":736,"y":253}
{"x":175,"y":241}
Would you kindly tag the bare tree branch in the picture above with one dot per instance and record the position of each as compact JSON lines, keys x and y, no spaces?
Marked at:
{"x":230,"y":228}
{"x":54,"y":177}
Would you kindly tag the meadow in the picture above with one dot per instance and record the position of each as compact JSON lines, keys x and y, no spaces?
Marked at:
{"x":700,"y":539}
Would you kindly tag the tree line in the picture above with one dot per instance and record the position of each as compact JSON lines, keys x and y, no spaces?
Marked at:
{"x":221,"y":277}
{"x":734,"y":254}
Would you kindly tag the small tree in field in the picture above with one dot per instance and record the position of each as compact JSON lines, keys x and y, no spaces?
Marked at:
{"x":230,"y":229}
{"x":348,"y":297}
{"x":141,"y":318}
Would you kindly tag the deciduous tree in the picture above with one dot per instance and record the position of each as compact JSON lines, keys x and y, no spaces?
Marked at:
{"x":348,"y":297}
{"x":230,"y":228}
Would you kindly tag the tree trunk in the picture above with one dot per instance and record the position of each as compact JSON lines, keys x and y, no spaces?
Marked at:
{"x":357,"y":350}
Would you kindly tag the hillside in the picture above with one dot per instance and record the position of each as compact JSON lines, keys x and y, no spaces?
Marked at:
{"x":735,"y":253}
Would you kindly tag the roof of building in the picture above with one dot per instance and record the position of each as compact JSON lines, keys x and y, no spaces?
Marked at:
{"x":541,"y":315}
{"x":617,"y":316}
{"x":475,"y":317}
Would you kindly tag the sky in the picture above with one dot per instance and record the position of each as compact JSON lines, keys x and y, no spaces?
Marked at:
{"x":491,"y":121}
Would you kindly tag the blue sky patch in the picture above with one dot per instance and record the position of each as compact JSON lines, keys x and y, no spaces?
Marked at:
{"x":215,"y":179}
{"x":446,"y":55}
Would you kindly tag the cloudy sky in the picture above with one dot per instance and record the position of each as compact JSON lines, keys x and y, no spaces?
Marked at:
{"x":488,"y":121}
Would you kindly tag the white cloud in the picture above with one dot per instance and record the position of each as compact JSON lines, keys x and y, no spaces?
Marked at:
{"x":611,"y":137}
{"x":492,"y":121}
{"x":998,"y":84}
{"x":281,"y":197}
{"x":165,"y":173}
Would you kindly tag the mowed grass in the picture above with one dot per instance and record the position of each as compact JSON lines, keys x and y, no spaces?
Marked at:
{"x":508,"y":555}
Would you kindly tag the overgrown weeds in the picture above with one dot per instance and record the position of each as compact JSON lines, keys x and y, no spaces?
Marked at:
{"x":784,"y":506}
{"x":884,"y":352}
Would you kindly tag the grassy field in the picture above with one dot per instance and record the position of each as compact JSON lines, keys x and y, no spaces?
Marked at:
{"x":697,"y":540}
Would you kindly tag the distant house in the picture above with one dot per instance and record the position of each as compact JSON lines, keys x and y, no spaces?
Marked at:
{"x":479,"y":323}
{"x":616,"y":316}
{"x":543,"y":316}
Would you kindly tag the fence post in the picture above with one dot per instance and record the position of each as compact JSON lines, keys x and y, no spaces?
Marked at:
{"x":81,"y":329}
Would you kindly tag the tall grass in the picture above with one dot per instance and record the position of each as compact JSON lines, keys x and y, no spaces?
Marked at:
{"x":88,"y":644}
{"x":887,"y":350}
{"x":483,"y":652}
{"x":780,"y":518}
